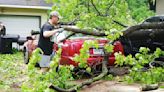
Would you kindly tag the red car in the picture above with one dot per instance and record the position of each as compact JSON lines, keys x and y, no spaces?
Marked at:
{"x":72,"y":46}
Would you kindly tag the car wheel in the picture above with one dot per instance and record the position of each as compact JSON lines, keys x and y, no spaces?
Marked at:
{"x":26,"y":55}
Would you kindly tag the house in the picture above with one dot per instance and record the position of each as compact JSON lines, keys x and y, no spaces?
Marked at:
{"x":22,"y":16}
{"x":160,"y":7}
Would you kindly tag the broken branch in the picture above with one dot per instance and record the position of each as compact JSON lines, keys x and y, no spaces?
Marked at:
{"x":143,"y":26}
{"x":125,"y":32}
{"x":85,"y":31}
{"x":89,"y":81}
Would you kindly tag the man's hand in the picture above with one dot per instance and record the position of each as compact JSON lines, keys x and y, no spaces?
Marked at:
{"x":59,"y":30}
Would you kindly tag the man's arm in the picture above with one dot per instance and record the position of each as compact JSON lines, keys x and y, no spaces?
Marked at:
{"x":51,"y":33}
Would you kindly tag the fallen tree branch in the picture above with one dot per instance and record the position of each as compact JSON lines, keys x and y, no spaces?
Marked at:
{"x":87,"y":82}
{"x":143,"y":26}
{"x":125,"y":32}
{"x":85,"y":31}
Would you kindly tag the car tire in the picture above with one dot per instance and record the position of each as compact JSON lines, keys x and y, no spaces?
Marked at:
{"x":26,"y":55}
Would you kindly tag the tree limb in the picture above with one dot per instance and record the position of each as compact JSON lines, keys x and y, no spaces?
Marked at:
{"x":88,"y":6}
{"x":85,"y":31}
{"x":131,"y":29}
{"x":87,"y":82}
{"x":99,"y":13}
{"x":110,"y":5}
{"x":119,"y":23}
{"x":125,"y":32}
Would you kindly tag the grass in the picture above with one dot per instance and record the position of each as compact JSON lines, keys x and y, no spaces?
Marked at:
{"x":12,"y":71}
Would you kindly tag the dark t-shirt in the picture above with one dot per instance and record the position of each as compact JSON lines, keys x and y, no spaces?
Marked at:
{"x":44,"y":42}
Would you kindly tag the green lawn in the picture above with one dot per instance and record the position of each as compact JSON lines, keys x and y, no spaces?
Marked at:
{"x":12,"y":72}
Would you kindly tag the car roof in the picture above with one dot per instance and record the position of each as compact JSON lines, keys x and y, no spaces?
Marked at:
{"x":155,"y":19}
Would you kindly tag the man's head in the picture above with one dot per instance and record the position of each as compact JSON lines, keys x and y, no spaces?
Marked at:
{"x":54,"y":17}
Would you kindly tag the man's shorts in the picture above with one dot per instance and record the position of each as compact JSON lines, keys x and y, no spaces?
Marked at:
{"x":46,"y":59}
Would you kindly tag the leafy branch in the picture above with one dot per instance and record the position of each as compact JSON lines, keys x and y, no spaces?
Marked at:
{"x":110,"y":5}
{"x":87,"y":82}
{"x":99,"y":13}
{"x":138,"y":72}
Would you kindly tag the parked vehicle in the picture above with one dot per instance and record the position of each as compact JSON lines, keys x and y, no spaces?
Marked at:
{"x":129,"y":44}
{"x":72,"y":46}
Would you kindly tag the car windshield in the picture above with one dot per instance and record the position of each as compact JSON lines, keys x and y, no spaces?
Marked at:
{"x":59,"y":36}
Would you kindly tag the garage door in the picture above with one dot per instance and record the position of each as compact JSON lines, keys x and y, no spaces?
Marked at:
{"x":21,"y":25}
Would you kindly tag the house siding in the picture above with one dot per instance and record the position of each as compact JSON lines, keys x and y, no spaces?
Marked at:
{"x":27,"y":12}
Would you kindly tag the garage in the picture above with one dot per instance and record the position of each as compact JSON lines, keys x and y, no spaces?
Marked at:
{"x":20,"y":25}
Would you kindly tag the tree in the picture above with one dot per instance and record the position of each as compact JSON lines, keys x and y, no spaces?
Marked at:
{"x":94,"y":14}
{"x":96,"y":17}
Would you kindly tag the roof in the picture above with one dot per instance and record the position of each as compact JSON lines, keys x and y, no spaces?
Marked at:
{"x":25,"y":7}
{"x":37,"y":4}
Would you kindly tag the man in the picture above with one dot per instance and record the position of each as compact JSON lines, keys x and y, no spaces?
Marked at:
{"x":48,"y":30}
